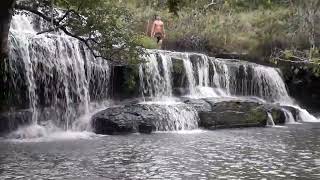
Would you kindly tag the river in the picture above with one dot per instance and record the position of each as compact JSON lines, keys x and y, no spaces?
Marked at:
{"x":289,"y":152}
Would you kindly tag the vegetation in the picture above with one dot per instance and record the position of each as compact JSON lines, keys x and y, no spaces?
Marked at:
{"x":101,"y":25}
{"x":260,"y":29}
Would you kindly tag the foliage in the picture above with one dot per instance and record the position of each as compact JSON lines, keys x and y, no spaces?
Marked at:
{"x":131,"y":80}
{"x":259,"y":28}
{"x":104,"y":27}
{"x":146,"y":42}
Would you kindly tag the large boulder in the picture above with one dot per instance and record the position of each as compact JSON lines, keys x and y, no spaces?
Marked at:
{"x":218,"y":113}
{"x":231,"y":114}
{"x":144,"y":118}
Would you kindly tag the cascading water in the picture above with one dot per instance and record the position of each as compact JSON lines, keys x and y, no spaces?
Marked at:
{"x":210,"y":77}
{"x":155,"y":76}
{"x":173,"y":115}
{"x":270,"y":121}
{"x":63,"y":79}
{"x":61,"y":76}
{"x":289,"y":116}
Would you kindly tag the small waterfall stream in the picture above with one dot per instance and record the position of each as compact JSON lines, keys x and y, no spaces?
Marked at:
{"x":270,"y":121}
{"x":63,"y":80}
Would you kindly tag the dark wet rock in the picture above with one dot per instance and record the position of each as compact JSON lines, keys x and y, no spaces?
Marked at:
{"x":13,"y":86}
{"x":278,"y":115}
{"x":303,"y":84}
{"x":232,"y":114}
{"x":143,"y":118}
{"x":10,"y":121}
{"x":200,"y":105}
{"x":294,"y":111}
{"x":179,"y":77}
{"x":125,"y":82}
{"x":218,"y":113}
{"x":145,"y":128}
{"x":180,"y":91}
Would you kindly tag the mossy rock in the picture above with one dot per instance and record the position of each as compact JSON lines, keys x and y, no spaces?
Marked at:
{"x":234,"y":114}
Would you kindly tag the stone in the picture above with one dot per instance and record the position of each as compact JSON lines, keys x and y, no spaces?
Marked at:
{"x":200,"y":105}
{"x":232,"y":114}
{"x":143,"y":118}
{"x":217,"y":113}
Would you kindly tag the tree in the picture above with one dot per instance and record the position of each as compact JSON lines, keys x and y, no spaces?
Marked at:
{"x":6,"y":12}
{"x":308,"y":11}
{"x":102,"y":26}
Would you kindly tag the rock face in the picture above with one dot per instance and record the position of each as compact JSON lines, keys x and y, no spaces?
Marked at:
{"x":303,"y":84}
{"x":144,"y":118}
{"x":233,"y":114}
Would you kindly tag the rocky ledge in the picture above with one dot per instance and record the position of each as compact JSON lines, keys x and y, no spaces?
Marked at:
{"x":216,"y":114}
{"x":204,"y":113}
{"x":144,"y":118}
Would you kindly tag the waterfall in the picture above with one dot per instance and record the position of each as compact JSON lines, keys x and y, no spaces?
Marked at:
{"x":212,"y":77}
{"x":270,"y":121}
{"x":305,"y":116}
{"x":173,"y":116}
{"x":155,"y":76}
{"x":58,"y":79}
{"x":289,"y":116}
{"x":190,"y":75}
{"x":61,"y":75}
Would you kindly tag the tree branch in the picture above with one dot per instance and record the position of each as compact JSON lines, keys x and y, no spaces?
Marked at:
{"x":50,"y":30}
{"x":63,"y":28}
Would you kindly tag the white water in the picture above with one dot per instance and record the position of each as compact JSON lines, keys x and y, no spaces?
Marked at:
{"x":225,"y":79}
{"x":152,"y":83}
{"x":180,"y":118}
{"x":305,"y":116}
{"x":270,"y":121}
{"x":190,"y":76}
{"x":289,"y":117}
{"x":62,"y":70}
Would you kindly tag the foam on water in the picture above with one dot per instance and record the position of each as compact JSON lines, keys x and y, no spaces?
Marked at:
{"x":163,"y":101}
{"x":194,"y":131}
{"x":207,"y":92}
{"x":61,"y":135}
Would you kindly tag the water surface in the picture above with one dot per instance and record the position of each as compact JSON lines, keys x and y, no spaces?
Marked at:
{"x":290,"y":152}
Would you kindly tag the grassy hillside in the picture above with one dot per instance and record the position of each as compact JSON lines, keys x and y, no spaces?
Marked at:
{"x":257,"y":29}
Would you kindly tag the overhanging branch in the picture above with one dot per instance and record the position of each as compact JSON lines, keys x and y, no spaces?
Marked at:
{"x":62,"y":27}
